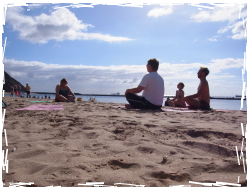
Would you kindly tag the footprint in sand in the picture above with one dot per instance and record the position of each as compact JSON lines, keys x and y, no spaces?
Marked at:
{"x":117,"y":164}
{"x":210,"y":148}
{"x":146,"y":150}
{"x":92,"y":135}
{"x":171,"y":176}
{"x":35,"y":167}
{"x":30,"y":154}
{"x":150,"y":125}
{"x":209,"y":134}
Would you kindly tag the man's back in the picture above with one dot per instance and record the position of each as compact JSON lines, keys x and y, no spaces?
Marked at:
{"x":154,"y":88}
{"x":27,"y":88}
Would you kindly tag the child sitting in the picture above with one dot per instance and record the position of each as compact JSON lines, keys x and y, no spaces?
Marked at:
{"x":176,"y":101}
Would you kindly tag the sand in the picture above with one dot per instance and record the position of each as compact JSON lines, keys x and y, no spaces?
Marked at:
{"x":93,"y":142}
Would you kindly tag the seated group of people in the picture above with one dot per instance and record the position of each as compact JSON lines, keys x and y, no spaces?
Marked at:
{"x":152,"y":97}
{"x":152,"y":85}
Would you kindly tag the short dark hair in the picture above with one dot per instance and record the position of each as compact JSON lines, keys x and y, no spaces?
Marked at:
{"x":154,"y":63}
{"x":205,"y":70}
{"x":182,"y":84}
{"x":64,"y":80}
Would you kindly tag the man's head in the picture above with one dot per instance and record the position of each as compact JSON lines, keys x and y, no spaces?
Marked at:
{"x":153,"y":65}
{"x":203,"y":72}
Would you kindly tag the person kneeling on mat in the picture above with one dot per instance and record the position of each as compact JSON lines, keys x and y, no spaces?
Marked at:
{"x":152,"y":85}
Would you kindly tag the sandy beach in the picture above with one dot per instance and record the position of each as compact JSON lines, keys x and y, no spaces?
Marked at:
{"x":94,"y":142}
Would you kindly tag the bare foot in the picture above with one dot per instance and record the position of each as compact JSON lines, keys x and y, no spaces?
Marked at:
{"x":128,"y":106}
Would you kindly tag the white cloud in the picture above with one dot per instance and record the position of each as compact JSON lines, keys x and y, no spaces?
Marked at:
{"x":228,"y":14}
{"x":239,"y":30}
{"x":218,"y":65}
{"x":220,"y":14}
{"x":36,"y":5}
{"x":93,"y":79}
{"x":59,"y":25}
{"x":213,"y":39}
{"x":223,"y":30}
{"x":156,"y":12}
{"x":216,"y":85}
{"x":195,"y":40}
{"x":55,"y":7}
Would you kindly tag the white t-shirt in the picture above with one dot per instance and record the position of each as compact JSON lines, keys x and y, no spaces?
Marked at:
{"x":154,"y":88}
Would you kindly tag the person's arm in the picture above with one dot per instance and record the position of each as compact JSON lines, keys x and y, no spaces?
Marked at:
{"x":181,"y":93}
{"x":57,"y":90}
{"x":70,"y":92}
{"x":135,"y":90}
{"x":199,"y":92}
{"x":174,"y":97}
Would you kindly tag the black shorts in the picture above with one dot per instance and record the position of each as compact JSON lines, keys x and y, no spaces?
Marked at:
{"x":204,"y":105}
{"x":28,"y":92}
{"x":140,"y":102}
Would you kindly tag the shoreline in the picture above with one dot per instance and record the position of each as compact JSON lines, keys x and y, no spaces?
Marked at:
{"x":79,"y":94}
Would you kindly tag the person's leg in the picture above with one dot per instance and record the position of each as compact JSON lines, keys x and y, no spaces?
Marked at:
{"x":152,"y":106}
{"x":193,"y":103}
{"x":171,"y":103}
{"x":166,"y":102}
{"x":61,"y":99}
{"x":71,"y":99}
{"x":204,"y":105}
{"x":135,"y":101}
{"x":178,"y":104}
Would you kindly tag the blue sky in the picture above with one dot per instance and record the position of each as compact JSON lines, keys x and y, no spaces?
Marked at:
{"x":104,"y":49}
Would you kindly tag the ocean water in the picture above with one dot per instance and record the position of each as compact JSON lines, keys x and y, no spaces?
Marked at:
{"x":214,"y":103}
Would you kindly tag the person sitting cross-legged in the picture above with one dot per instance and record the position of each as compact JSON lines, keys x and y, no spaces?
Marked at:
{"x":152,"y":85}
{"x":200,"y":100}
{"x":177,"y":100}
{"x":64,"y":93}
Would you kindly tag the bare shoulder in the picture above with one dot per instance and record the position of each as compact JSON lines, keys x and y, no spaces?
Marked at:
{"x":68,"y":88}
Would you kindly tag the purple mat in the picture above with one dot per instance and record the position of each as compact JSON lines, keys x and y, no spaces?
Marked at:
{"x":42,"y":107}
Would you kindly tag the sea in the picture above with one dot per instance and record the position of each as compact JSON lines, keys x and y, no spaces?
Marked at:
{"x":224,"y":104}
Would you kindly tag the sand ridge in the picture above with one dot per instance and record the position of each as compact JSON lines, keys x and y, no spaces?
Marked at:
{"x":93,"y":142}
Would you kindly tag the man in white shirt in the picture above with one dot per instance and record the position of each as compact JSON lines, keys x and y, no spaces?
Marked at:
{"x":152,"y":85}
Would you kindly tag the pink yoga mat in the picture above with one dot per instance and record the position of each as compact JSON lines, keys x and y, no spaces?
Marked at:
{"x":42,"y":107}
{"x":178,"y":110}
{"x":164,"y":109}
